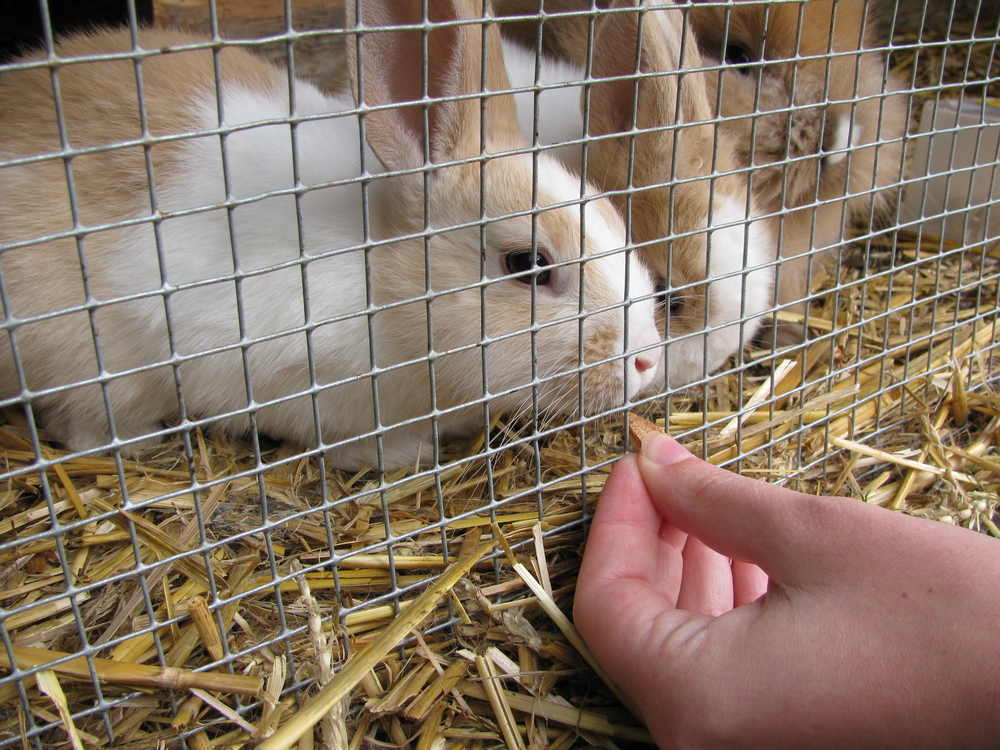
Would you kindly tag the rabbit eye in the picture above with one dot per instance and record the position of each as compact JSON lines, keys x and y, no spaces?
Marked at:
{"x":671,"y":303}
{"x":738,"y":56}
{"x":526,"y":261}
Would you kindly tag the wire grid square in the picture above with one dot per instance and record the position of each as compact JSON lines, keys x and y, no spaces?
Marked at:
{"x":106,"y":555}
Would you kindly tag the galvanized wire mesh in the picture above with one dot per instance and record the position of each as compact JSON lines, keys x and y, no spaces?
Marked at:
{"x":105,"y":545}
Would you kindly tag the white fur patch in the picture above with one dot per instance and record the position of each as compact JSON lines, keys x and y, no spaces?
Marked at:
{"x":264,"y":240}
{"x":560,"y":118}
{"x":741,"y":287}
{"x":266,"y":231}
{"x":846,"y":136}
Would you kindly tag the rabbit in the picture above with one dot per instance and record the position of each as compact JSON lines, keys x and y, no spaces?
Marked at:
{"x":836,"y":159}
{"x":827,"y":149}
{"x":686,"y":190}
{"x":323,"y":337}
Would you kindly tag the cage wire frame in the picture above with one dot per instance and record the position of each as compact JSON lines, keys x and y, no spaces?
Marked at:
{"x":49,"y":533}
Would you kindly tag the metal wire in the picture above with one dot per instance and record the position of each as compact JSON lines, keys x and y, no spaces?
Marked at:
{"x":951,"y":188}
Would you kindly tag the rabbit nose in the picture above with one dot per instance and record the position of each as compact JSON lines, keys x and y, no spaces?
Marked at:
{"x":646,"y":361}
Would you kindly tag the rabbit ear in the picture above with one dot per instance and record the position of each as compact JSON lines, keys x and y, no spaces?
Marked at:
{"x":664,"y":36}
{"x":391,"y":72}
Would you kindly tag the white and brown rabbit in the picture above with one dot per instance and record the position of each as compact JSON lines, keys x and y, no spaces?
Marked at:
{"x":249,"y":274}
{"x":668,"y":170}
{"x":817,"y":115}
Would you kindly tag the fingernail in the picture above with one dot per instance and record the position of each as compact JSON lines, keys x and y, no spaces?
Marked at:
{"x":662,"y":449}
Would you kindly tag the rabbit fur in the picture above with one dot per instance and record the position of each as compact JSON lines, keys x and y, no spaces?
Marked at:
{"x":317,"y":337}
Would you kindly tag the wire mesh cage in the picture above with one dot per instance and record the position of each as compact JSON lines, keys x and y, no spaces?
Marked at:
{"x":299,"y":379}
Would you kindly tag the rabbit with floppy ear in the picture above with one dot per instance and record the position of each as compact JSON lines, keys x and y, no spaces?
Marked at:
{"x":243,"y":280}
{"x":656,"y":151}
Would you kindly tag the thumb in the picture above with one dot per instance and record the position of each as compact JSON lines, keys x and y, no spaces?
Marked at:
{"x":791,"y":536}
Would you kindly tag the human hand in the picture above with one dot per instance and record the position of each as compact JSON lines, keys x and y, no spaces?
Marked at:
{"x":876,"y":629}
